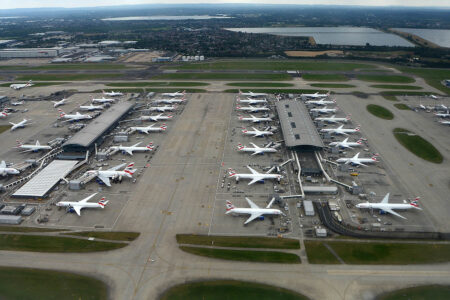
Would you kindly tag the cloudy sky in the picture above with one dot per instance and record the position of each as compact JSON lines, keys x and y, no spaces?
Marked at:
{"x":6,"y":4}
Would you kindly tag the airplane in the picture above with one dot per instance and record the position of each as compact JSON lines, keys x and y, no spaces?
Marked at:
{"x":155,"y":118}
{"x":254,"y":176}
{"x":130,"y":149}
{"x":59,"y":103}
{"x":434,"y":97}
{"x":176,"y":94}
{"x":163,"y":108}
{"x":254,"y":211}
{"x":346,"y":144}
{"x":4,"y":170}
{"x":251,"y":94}
{"x":75,"y":117}
{"x":32,"y":148}
{"x":3,"y":114}
{"x":385,"y":206}
{"x":91,"y":107}
{"x":333,"y":119}
{"x":445,"y":122}
{"x":254,"y":119}
{"x":321,"y":102}
{"x":323,"y":110}
{"x":256,"y":150}
{"x":315,"y":95}
{"x":252,"y":101}
{"x":149,"y":128}
{"x":102,"y":100}
{"x":340,"y":130}
{"x":18,"y":86}
{"x":442,"y":106}
{"x":355,"y":160}
{"x":169,"y":101}
{"x":77,"y":206}
{"x":17,"y":103}
{"x":21,"y":124}
{"x":442,"y":115}
{"x":252,"y":108}
{"x":112,"y":94}
{"x":257,"y":133}
{"x":105,"y":175}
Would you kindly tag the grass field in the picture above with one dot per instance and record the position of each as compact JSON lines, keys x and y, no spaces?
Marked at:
{"x":85,"y":66}
{"x":37,"y":243}
{"x":278,"y":91}
{"x":380,"y":111}
{"x":404,"y":93}
{"x":223,"y":76}
{"x":4,"y":128}
{"x":325,"y":77}
{"x":108,"y":235}
{"x":227,"y":290}
{"x":30,"y":284}
{"x":35,"y":84}
{"x":67,"y":77}
{"x":244,"y":255}
{"x":150,"y":89}
{"x":260,"y":84}
{"x":386,"y":78}
{"x":332,"y":85}
{"x":238,"y":241}
{"x":418,"y":146}
{"x":433,"y":77}
{"x":396,"y":87}
{"x":28,"y":229}
{"x":402,"y":106}
{"x":361,"y":95}
{"x":275,"y":65}
{"x":156,"y":83}
{"x":318,"y":254}
{"x":423,"y":292}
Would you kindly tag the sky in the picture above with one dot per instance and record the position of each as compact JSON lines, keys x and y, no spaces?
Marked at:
{"x":7,"y":4}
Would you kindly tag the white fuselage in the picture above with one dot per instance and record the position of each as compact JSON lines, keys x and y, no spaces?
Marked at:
{"x":345,"y":144}
{"x":249,"y":211}
{"x":21,"y":124}
{"x":314,"y":96}
{"x":8,"y":171}
{"x":252,"y":108}
{"x":257,"y":177}
{"x":155,"y":118}
{"x":59,"y":103}
{"x":323,"y":110}
{"x":76,"y":117}
{"x":356,"y":160}
{"x":442,"y":115}
{"x":320,"y":102}
{"x":386,"y":206}
{"x":162,"y":108}
{"x":257,"y":133}
{"x":112,"y":94}
{"x":257,"y":150}
{"x":168,"y":101}
{"x":130,"y":149}
{"x":251,"y":94}
{"x":148,"y":129}
{"x":103,"y":100}
{"x":252,"y":101}
{"x":84,"y":205}
{"x":111,"y":174}
{"x":331,"y":119}
{"x":91,"y":107}
{"x":340,"y":130}
{"x":34,"y":147}
{"x":255,"y":119}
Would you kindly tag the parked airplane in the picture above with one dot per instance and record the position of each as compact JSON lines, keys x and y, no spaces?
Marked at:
{"x":4,"y":170}
{"x":256,"y":149}
{"x":315,"y":95}
{"x":112,"y":94}
{"x":346,"y":144}
{"x":163,"y":108}
{"x":254,"y":176}
{"x":254,"y":211}
{"x":154,"y":118}
{"x":59,"y":103}
{"x":21,"y":124}
{"x":176,"y":94}
{"x":257,"y":133}
{"x":17,"y":103}
{"x":333,"y":119}
{"x":77,"y":206}
{"x":147,"y":129}
{"x":251,"y":94}
{"x":32,"y":148}
{"x":18,"y":86}
{"x":340,"y":130}
{"x":355,"y":160}
{"x":254,"y":119}
{"x":385,"y":206}
{"x":102,"y":100}
{"x":91,"y":107}
{"x":252,"y":109}
{"x":323,"y":110}
{"x":443,"y":107}
{"x":73,"y":117}
{"x":112,"y":173}
{"x":251,"y":101}
{"x":433,"y":97}
{"x":321,"y":102}
{"x":130,"y":149}
{"x":169,"y":101}
{"x":445,"y":122}
{"x":443,"y":115}
{"x":3,"y":114}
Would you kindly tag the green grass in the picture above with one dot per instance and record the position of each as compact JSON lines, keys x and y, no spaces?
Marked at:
{"x":359,"y":94}
{"x":404,"y":93}
{"x":155,"y":83}
{"x":386,"y":78}
{"x":318,"y":254}
{"x":423,"y":292}
{"x":35,"y":84}
{"x":28,"y":229}
{"x":227,"y":290}
{"x":68,"y":77}
{"x":85,"y":66}
{"x":380,"y":111}
{"x":276,"y":91}
{"x":108,"y":235}
{"x":244,"y":255}
{"x":37,"y":243}
{"x":275,"y":65}
{"x":433,"y":77}
{"x":238,"y":241}
{"x":418,"y":146}
{"x":260,"y":84}
{"x":325,"y":77}
{"x":223,"y":76}
{"x":147,"y":90}
{"x":402,"y":106}
{"x":332,"y":85}
{"x":4,"y":128}
{"x":396,"y":87}
{"x":30,"y":284}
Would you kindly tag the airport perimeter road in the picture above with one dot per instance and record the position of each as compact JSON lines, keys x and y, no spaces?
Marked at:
{"x":175,"y":195}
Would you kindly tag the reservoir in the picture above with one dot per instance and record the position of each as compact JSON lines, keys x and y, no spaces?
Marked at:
{"x":440,"y":37}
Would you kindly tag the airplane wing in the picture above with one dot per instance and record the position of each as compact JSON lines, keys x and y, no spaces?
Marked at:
{"x":271,"y":202}
{"x":117,"y":167}
{"x":254,"y":145}
{"x":3,"y":164}
{"x":129,"y":151}
{"x":87,"y":198}
{"x":257,"y":152}
{"x":254,"y":180}
{"x":253,"y":171}
{"x":394,"y":213}
{"x":251,"y":203}
{"x":77,"y":209}
{"x":252,"y":217}
{"x":385,"y":199}
{"x":104,"y":179}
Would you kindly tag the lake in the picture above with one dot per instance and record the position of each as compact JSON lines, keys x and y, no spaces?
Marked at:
{"x":440,"y":37}
{"x":173,"y":18}
{"x":352,"y":36}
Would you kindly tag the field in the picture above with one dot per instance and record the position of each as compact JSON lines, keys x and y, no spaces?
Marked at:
{"x":67,"y":77}
{"x":260,"y":84}
{"x":28,"y":229}
{"x":28,"y":284}
{"x":238,"y":241}
{"x":35,"y":84}
{"x":86,"y":66}
{"x":380,"y":111}
{"x":224,"y":76}
{"x":402,"y":106}
{"x":107,"y":235}
{"x":432,"y":76}
{"x":418,"y":145}
{"x":318,"y":254}
{"x":156,"y":83}
{"x":244,"y":255}
{"x":4,"y":128}
{"x":386,"y":78}
{"x":332,"y":85}
{"x":396,"y":87}
{"x":435,"y":292}
{"x":229,"y":289}
{"x":325,"y":77}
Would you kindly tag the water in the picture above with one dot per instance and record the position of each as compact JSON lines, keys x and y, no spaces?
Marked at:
{"x":172,"y":18}
{"x":440,"y":37}
{"x":352,"y":36}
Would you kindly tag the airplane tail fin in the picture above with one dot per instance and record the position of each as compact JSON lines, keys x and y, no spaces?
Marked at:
{"x":19,"y":143}
{"x":359,"y":141}
{"x":240,"y":92}
{"x":240,"y":147}
{"x":231,"y":172}
{"x":103,"y":202}
{"x":163,"y":127}
{"x":129,"y":169}
{"x":415,"y":202}
{"x":244,"y":130}
{"x":328,"y":94}
{"x":150,"y":146}
{"x":229,"y":205}
{"x":374,"y":157}
{"x":61,"y":113}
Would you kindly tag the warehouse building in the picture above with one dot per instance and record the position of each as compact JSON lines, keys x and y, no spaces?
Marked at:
{"x":29,"y":52}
